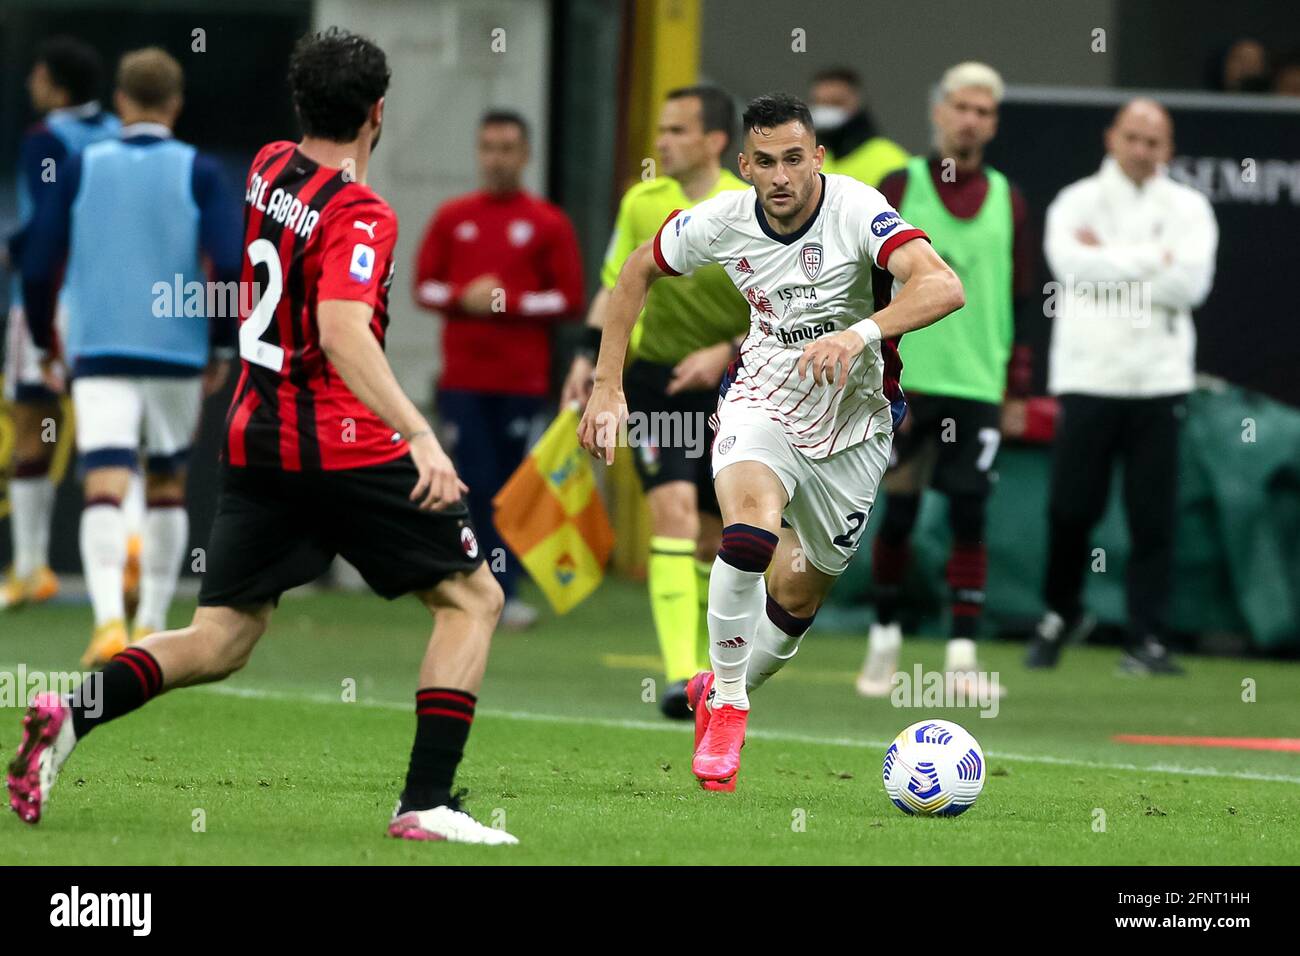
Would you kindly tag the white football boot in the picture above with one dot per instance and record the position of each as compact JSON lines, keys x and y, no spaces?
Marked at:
{"x":883,"y":644}
{"x":961,"y":671}
{"x":447,"y":822}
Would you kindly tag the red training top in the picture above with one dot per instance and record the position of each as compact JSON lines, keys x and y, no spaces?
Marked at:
{"x":527,"y":243}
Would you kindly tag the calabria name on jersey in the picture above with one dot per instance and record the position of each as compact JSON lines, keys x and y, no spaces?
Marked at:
{"x":311,"y":234}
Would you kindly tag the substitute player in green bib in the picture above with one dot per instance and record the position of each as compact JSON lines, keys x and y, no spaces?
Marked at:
{"x":955,"y":374}
{"x":680,"y":347}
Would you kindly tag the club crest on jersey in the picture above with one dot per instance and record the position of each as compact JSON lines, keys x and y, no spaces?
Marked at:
{"x":885,"y":223}
{"x":362,"y":266}
{"x":469,"y":543}
{"x":726,"y":444}
{"x":811,"y":257}
{"x":519,"y":232}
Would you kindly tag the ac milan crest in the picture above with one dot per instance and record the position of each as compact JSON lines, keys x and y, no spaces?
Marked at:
{"x":811,"y":257}
{"x":468,"y":542}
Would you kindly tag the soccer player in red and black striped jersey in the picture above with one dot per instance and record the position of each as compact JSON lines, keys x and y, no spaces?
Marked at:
{"x":324,"y":456}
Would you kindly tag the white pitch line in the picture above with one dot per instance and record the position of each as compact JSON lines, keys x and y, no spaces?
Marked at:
{"x":778,"y":736}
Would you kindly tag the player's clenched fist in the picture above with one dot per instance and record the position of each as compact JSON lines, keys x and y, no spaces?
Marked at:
{"x":438,"y":484}
{"x":830,"y":357}
{"x":598,"y":430}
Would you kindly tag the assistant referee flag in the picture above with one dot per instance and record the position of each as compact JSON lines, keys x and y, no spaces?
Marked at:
{"x":552,"y":517}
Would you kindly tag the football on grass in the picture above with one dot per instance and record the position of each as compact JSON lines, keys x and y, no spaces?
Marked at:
{"x":934,"y":769}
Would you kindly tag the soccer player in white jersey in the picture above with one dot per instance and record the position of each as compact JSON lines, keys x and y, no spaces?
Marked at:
{"x":807,"y":411}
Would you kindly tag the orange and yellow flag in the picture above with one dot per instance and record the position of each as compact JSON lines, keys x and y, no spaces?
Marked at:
{"x":551,"y":516}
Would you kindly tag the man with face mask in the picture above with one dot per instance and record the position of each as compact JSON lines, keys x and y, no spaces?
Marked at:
{"x":1134,"y":253}
{"x":848,"y":131}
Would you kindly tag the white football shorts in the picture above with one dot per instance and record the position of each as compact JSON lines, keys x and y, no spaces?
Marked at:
{"x":830,"y":499}
{"x":119,"y":415}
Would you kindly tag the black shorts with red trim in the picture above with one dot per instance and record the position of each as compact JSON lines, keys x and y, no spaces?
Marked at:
{"x":275,"y":530}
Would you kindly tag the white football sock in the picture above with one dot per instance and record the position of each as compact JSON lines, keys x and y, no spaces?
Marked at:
{"x":103,"y":557}
{"x":166,"y":532}
{"x":773,"y":649}
{"x":31,"y":504}
{"x":133,"y":506}
{"x":736,"y":600}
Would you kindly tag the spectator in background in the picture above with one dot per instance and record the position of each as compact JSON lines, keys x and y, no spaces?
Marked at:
{"x":502,"y":266}
{"x":854,"y":147}
{"x":1286,"y":79}
{"x":955,"y":373}
{"x":1241,"y":68}
{"x":1134,"y":253}
{"x":130,"y":214}
{"x":63,"y":85}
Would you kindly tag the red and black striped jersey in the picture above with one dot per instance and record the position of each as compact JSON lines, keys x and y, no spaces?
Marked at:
{"x":311,"y":234}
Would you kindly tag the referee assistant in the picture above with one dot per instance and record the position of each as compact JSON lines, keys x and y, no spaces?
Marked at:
{"x":683,"y":344}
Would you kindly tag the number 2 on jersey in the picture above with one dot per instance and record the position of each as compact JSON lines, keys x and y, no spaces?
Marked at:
{"x":263,"y":252}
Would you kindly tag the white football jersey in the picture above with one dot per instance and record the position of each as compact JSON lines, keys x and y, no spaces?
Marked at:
{"x":800,"y":287}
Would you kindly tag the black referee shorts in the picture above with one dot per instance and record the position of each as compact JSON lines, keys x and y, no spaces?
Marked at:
{"x":275,"y":530}
{"x":685,"y":415}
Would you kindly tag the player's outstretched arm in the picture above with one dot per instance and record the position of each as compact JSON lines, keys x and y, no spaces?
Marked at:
{"x":577,"y":384}
{"x":598,"y":430}
{"x":348,"y":343}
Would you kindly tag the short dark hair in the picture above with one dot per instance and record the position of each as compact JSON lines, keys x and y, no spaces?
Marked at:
{"x":839,"y":74}
{"x":336,"y":77}
{"x":74,"y":67}
{"x":505,"y":117}
{"x":717,"y":111}
{"x":773,"y":109}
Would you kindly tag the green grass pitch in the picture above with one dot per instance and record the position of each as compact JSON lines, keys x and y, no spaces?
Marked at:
{"x":274,"y":766}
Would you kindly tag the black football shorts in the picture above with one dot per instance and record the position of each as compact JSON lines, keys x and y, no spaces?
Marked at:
{"x":954,"y":441}
{"x":275,"y":530}
{"x":674,"y":440}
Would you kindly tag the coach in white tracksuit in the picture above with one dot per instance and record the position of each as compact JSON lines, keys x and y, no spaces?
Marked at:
{"x":1132,"y":253}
